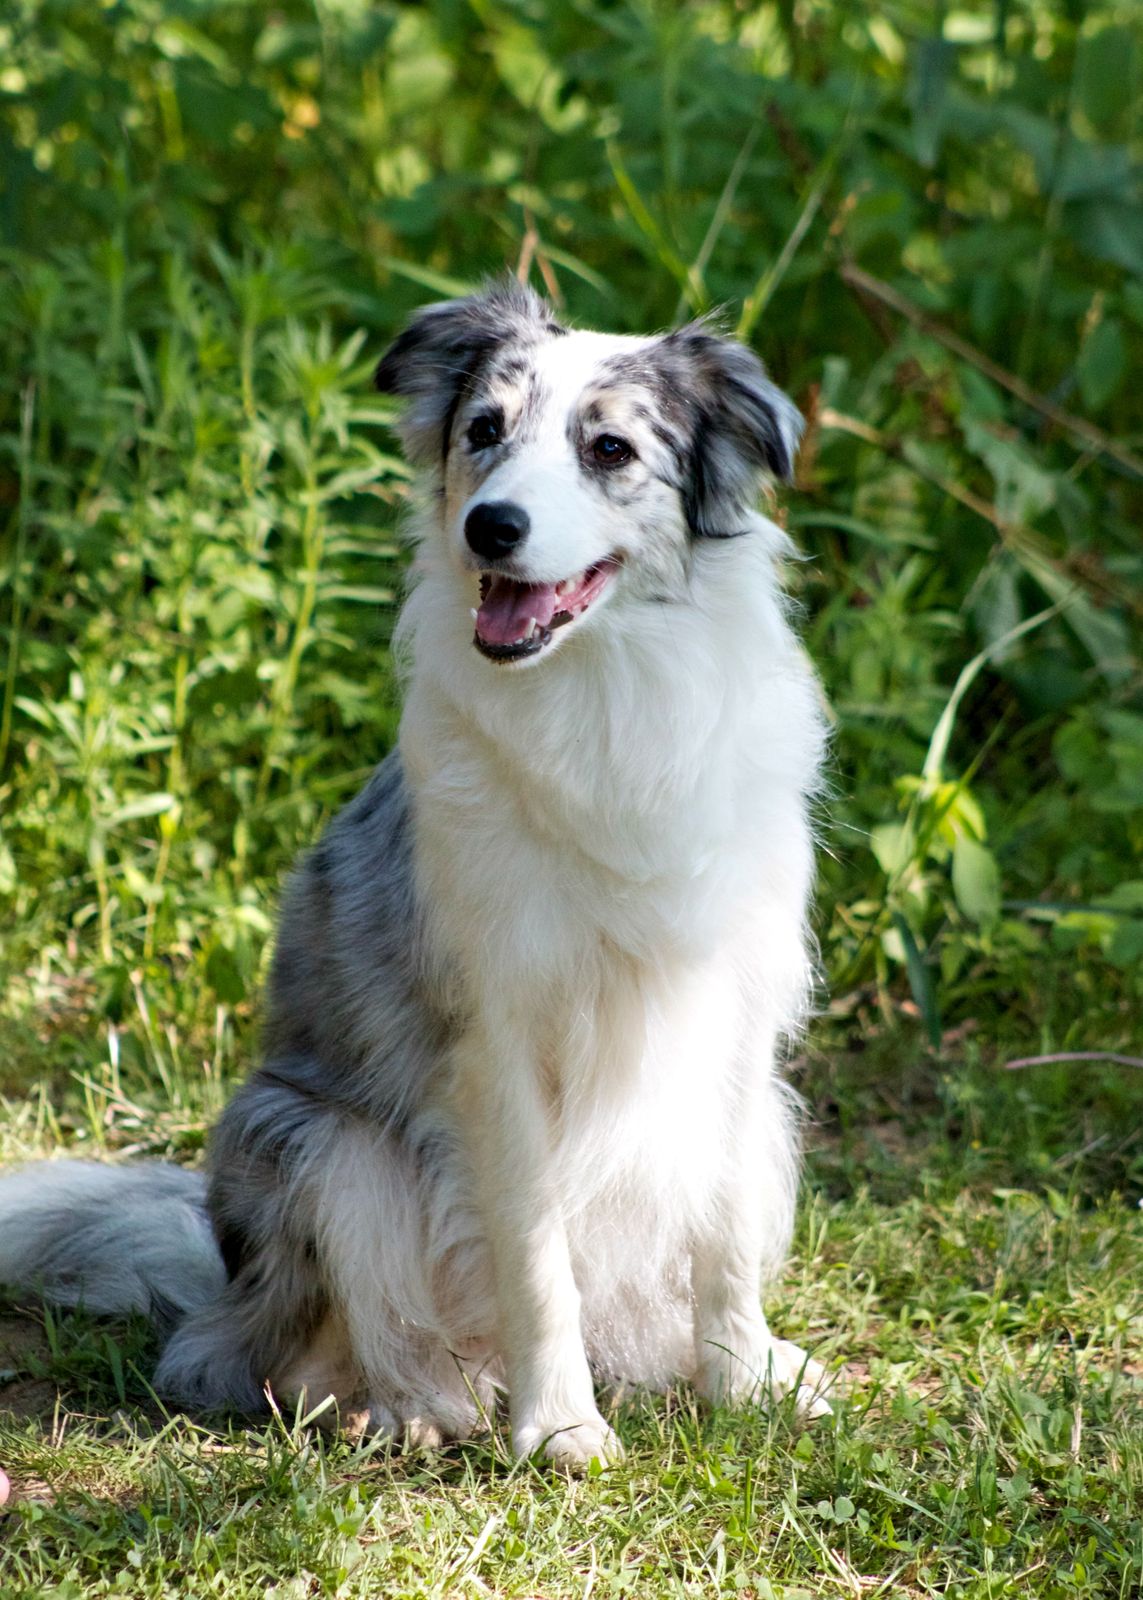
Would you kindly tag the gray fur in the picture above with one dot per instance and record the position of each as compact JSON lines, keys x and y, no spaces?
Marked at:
{"x":111,"y":1239}
{"x":724,"y":421}
{"x":351,"y":989}
{"x":439,"y":357}
{"x":356,"y":1028}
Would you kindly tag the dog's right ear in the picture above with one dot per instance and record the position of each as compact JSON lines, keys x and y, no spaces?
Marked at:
{"x":435,"y":361}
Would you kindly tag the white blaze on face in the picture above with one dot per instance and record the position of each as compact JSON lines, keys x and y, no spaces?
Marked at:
{"x":542,"y":472}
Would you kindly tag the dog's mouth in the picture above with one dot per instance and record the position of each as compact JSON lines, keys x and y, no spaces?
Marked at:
{"x":517,"y":619}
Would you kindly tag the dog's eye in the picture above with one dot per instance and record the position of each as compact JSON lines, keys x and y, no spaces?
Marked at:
{"x":484,"y":432}
{"x":610,"y":451}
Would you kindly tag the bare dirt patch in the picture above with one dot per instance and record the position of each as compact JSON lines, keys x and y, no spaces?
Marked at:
{"x":23,"y":1347}
{"x":24,"y":1398}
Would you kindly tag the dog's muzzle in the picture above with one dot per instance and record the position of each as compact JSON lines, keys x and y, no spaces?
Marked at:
{"x":516,"y":620}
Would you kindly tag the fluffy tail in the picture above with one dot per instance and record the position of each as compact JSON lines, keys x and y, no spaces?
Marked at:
{"x":113,"y":1239}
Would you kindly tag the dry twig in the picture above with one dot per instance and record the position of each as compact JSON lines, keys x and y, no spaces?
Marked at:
{"x":1079,"y":427}
{"x":1074,"y":1055}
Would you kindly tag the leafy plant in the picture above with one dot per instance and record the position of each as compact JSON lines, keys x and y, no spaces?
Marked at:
{"x":213,"y":217}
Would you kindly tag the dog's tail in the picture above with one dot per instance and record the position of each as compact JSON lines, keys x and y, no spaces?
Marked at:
{"x":112,"y":1239}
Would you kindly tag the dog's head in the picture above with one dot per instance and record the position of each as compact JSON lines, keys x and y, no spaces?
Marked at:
{"x":572,"y":465}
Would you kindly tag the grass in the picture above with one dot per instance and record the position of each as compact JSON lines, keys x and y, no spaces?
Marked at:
{"x":966,"y":1258}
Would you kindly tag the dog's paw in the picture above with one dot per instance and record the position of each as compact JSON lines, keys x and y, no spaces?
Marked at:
{"x":571,"y":1448}
{"x":402,"y":1429}
{"x":792,"y":1371}
{"x":773,"y":1369}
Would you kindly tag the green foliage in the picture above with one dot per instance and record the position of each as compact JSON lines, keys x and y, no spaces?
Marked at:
{"x":211,"y":218}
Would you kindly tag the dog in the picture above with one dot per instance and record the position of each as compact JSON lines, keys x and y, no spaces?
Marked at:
{"x":521,"y":1125}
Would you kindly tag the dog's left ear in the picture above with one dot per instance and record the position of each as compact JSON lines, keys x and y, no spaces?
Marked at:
{"x":742,"y":428}
{"x":442,"y":350}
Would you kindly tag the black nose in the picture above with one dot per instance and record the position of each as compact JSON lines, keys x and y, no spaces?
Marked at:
{"x":495,"y":528}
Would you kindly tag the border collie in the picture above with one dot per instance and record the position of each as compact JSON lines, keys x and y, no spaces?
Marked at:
{"x":520,"y":1125}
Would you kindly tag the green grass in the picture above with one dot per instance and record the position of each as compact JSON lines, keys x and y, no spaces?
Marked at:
{"x":212,"y":219}
{"x":966,"y":1259}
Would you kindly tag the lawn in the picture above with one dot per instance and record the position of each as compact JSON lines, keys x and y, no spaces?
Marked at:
{"x":212,"y":218}
{"x":959,"y":1261}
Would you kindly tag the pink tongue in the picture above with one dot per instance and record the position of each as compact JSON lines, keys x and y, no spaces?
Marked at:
{"x":508,"y":608}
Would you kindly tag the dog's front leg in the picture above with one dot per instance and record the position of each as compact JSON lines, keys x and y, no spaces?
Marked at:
{"x":738,"y":1357}
{"x":507,"y":1131}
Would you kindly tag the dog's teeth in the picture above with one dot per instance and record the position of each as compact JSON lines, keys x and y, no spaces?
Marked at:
{"x":562,"y":588}
{"x":474,"y":613}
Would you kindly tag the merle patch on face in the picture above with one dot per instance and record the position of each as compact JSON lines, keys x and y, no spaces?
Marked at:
{"x":441,"y":355}
{"x":722,"y":422}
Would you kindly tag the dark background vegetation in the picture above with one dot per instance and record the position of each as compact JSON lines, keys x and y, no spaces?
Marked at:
{"x":928,"y":219}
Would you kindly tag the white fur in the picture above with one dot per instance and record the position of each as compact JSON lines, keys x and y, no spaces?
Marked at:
{"x":615,"y":848}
